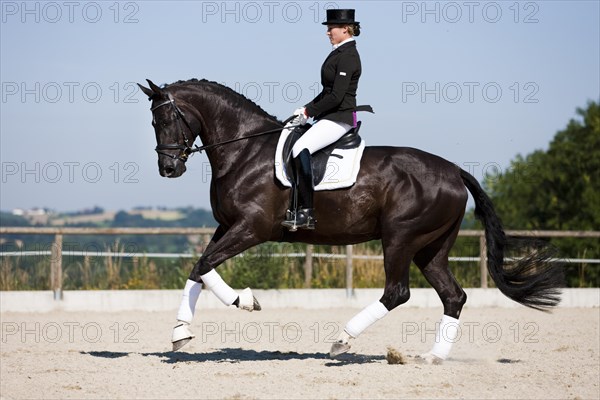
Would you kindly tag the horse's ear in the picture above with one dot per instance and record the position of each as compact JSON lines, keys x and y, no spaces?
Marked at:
{"x":146,"y":91}
{"x":154,"y":88}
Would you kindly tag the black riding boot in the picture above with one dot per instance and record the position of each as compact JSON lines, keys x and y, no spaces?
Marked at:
{"x":301,"y":213}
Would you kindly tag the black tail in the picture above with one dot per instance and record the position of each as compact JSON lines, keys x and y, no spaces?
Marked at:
{"x":531,"y":280}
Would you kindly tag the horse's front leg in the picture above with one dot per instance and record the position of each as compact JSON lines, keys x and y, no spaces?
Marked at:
{"x":224,"y":245}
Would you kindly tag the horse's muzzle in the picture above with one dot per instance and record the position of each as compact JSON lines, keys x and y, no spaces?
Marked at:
{"x":171,"y":168}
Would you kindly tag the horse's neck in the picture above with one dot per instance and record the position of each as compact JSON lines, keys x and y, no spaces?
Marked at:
{"x":222,"y":124}
{"x":224,"y":119}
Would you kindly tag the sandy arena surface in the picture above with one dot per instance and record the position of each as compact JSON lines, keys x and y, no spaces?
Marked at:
{"x":500,"y":354}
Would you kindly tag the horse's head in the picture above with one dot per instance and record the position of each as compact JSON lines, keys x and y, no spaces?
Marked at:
{"x":174,"y":132}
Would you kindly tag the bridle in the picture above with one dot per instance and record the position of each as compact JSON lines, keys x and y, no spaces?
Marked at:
{"x":186,"y":149}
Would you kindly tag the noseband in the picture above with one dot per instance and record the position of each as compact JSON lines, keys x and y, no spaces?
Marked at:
{"x":184,"y":149}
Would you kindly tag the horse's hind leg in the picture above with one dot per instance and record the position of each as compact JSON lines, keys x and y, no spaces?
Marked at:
{"x":397,"y":262}
{"x":433,"y":262}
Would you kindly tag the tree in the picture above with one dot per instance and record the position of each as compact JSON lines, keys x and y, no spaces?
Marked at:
{"x":557,"y":189}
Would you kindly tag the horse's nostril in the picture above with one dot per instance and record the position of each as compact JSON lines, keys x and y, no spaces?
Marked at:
{"x":169,"y":171}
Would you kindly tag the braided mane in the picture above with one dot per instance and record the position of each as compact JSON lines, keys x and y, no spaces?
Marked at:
{"x":241,"y":99}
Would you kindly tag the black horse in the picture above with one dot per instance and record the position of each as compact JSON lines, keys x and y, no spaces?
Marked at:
{"x":411,"y":200}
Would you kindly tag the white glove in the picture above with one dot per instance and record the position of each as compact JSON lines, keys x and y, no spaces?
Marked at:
{"x":302,"y":117}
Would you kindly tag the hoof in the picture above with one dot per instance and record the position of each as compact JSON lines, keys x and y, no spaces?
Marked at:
{"x":181,"y":335}
{"x":429,"y":359}
{"x":180,"y":343}
{"x":248,"y":302}
{"x":256,"y":304}
{"x":338,"y":348}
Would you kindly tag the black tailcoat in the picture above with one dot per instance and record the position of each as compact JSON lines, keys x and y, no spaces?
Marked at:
{"x":339,"y":76}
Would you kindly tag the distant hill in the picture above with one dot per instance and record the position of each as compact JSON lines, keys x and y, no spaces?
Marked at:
{"x":139,"y":217}
{"x":181,"y":217}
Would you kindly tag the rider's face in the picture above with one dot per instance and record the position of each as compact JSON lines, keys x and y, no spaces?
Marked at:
{"x":337,"y":33}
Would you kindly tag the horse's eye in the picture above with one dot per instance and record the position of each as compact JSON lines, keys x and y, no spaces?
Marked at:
{"x":162,"y":123}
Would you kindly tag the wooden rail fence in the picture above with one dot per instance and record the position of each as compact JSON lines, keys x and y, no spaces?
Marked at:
{"x":206,"y":233}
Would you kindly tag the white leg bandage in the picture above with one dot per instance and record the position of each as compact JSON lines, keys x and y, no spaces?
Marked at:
{"x":367,"y":317}
{"x":191,"y":292}
{"x":445,"y":337}
{"x":217,"y":285}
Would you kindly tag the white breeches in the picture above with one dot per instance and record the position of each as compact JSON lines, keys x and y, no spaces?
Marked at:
{"x":321,"y":134}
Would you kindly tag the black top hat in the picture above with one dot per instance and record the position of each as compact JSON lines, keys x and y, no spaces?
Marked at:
{"x":340,"y":16}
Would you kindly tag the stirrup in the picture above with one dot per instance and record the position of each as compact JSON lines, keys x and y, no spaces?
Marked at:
{"x":290,"y":221}
{"x":302,"y":218}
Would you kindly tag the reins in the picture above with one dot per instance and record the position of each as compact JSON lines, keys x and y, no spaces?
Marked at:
{"x":185,"y":150}
{"x":209,"y":146}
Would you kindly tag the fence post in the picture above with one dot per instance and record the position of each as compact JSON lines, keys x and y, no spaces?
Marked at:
{"x":56,"y":267}
{"x":205,"y":241}
{"x":483,"y":261}
{"x":349,"y":288}
{"x":308,"y":266}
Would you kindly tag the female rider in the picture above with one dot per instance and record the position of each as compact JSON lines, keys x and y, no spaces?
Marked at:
{"x":334,"y":109}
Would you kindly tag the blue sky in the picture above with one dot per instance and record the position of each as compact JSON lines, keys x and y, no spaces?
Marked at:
{"x":474,"y":82}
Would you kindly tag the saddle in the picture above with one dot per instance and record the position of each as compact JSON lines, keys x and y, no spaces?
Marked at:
{"x":350,"y":140}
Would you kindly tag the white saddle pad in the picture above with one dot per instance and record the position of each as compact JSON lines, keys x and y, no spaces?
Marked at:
{"x":340,"y":172}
